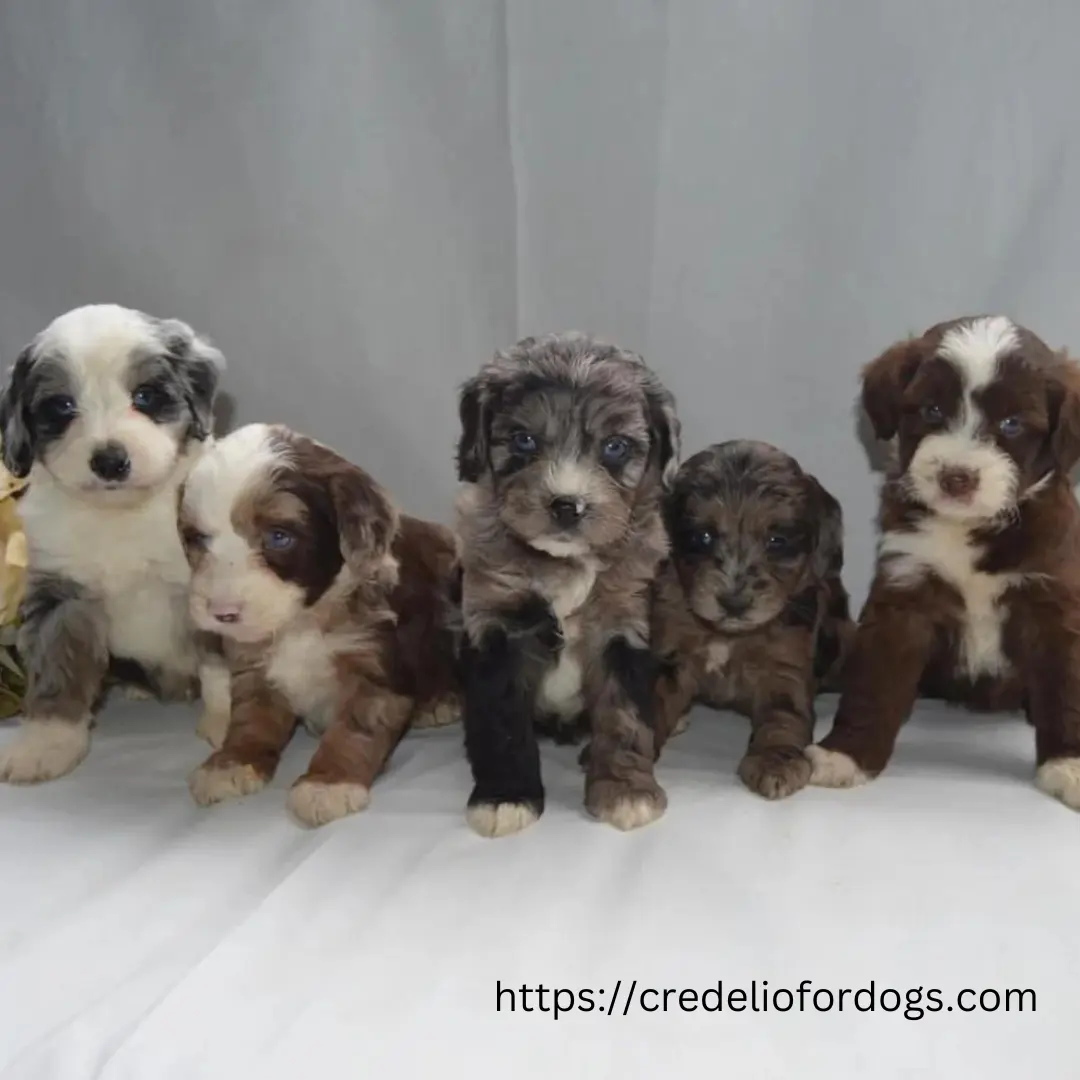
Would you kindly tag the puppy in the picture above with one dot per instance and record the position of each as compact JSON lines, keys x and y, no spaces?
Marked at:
{"x":976,"y":594}
{"x":749,"y":611}
{"x":328,"y":605}
{"x":105,"y":411}
{"x":566,"y":444}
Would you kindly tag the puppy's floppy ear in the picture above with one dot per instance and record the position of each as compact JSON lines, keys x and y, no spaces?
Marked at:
{"x":828,"y":559}
{"x":199,"y":365}
{"x":1064,"y":407}
{"x":15,"y":427}
{"x":367,"y":517}
{"x":474,"y":411}
{"x":665,"y":430}
{"x":883,"y":383}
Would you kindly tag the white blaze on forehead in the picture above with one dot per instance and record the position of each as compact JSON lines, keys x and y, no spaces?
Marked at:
{"x":100,"y":337}
{"x":975,"y":348}
{"x":227,"y":471}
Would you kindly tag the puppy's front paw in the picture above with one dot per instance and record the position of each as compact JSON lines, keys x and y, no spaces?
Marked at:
{"x":1060,"y":777}
{"x":500,"y":819}
{"x":624,"y":805}
{"x":316,"y":802}
{"x":44,"y":750}
{"x":441,"y":713}
{"x":776,"y":772}
{"x":215,"y":782}
{"x":213,"y":727}
{"x":833,"y":768}
{"x":133,"y":692}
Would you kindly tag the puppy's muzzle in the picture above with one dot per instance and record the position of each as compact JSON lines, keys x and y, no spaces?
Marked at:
{"x":110,"y":462}
{"x":567,"y":511}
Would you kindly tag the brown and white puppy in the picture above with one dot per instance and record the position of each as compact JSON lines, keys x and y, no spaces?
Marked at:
{"x":749,"y":611}
{"x":105,"y":411}
{"x":331,"y":608}
{"x":565,"y":447}
{"x":976,"y":594}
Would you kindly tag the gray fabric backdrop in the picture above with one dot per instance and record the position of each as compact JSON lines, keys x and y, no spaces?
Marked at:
{"x":361,"y":200}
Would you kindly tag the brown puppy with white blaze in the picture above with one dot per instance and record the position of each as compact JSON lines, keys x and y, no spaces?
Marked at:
{"x":976,"y":594}
{"x":565,"y":447}
{"x":330,"y":607}
{"x":750,"y":611}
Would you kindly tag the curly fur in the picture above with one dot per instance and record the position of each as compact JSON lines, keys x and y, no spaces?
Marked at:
{"x":566,"y":445}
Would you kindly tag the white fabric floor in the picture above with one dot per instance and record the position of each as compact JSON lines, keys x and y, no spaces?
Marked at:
{"x":144,"y":937}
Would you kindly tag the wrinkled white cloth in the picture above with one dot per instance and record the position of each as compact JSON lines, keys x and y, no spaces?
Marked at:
{"x":143,"y":937}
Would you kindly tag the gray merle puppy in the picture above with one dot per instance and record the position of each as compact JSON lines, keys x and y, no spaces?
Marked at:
{"x":566,"y":446}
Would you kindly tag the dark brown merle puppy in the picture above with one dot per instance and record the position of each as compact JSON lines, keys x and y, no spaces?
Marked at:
{"x":976,"y":594}
{"x":565,"y":448}
{"x":328,"y":607}
{"x":750,"y":612}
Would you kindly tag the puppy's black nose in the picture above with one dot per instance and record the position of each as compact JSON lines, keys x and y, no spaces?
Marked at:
{"x":110,"y":461}
{"x":566,"y":510}
{"x":734,"y":605}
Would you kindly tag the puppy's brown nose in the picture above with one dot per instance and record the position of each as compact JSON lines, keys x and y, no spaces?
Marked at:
{"x":567,"y":510}
{"x":958,"y":483}
{"x":225,"y":613}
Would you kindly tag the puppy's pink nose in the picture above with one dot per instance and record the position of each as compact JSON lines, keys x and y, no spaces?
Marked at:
{"x":225,"y":613}
{"x":959,"y":483}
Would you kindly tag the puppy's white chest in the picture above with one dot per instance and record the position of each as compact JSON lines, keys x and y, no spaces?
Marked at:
{"x":717,"y":655}
{"x":561,"y":689}
{"x":301,"y":667}
{"x":942,"y":548}
{"x":131,"y":560}
{"x":560,"y":692}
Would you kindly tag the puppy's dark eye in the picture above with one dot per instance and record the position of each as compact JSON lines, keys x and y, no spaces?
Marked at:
{"x":278,"y":540}
{"x":1011,"y":426}
{"x":57,"y":409}
{"x":193,"y":538}
{"x":777,"y":544}
{"x":700,"y":541}
{"x":148,"y":399}
{"x":521,"y":442}
{"x":932,"y":414}
{"x":614,"y":450}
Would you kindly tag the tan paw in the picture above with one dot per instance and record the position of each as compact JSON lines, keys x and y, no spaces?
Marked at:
{"x":315,"y":802}
{"x":213,"y":727}
{"x":1060,"y":777}
{"x":500,"y":819}
{"x":211,"y":784}
{"x":44,"y":750}
{"x":831,"y":768}
{"x":136,"y":693}
{"x":439,"y":715}
{"x":626,"y":806}
{"x":682,"y":725}
{"x":776,"y":772}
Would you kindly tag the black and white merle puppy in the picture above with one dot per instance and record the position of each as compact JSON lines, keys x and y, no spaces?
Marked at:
{"x":566,"y":446}
{"x":105,"y":411}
